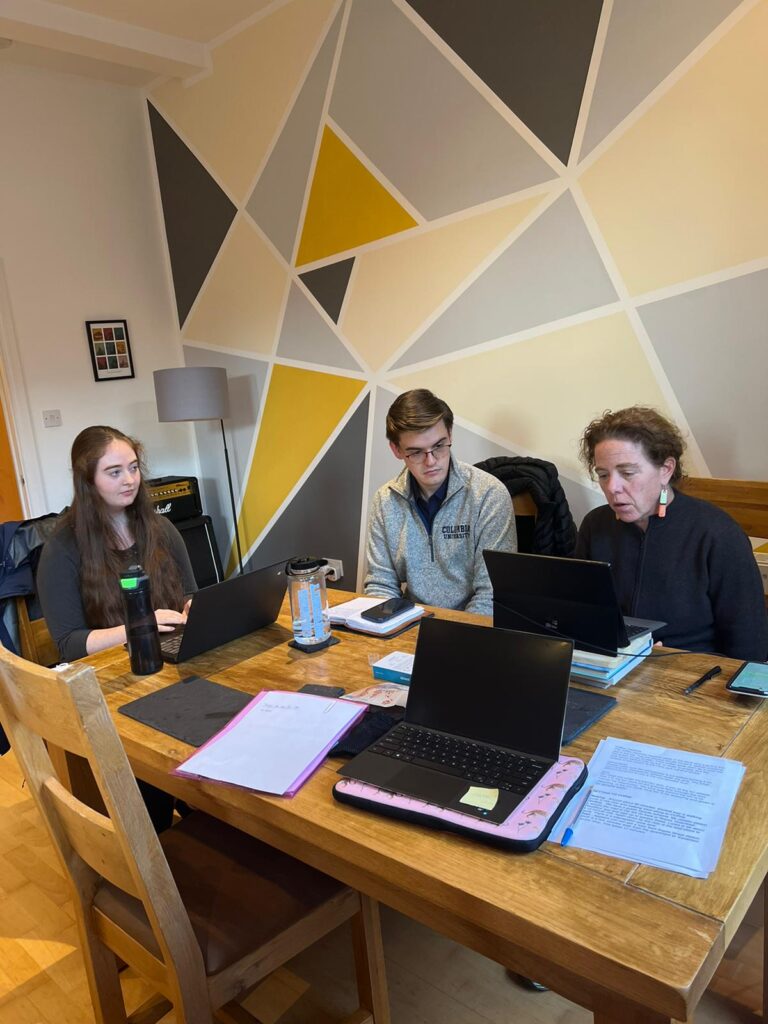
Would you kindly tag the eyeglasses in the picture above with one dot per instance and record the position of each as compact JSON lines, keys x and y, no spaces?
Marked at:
{"x":437,"y":452}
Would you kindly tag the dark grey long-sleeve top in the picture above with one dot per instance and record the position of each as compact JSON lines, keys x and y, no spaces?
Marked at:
{"x":58,"y":586}
{"x":694,"y":569}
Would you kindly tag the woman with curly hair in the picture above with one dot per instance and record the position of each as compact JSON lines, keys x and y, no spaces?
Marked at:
{"x":673,"y":557}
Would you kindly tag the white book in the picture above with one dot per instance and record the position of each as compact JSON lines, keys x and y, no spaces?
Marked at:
{"x":608,"y":662}
{"x":349,"y":614}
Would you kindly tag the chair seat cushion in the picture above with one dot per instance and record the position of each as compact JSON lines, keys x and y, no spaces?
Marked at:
{"x":239,"y":892}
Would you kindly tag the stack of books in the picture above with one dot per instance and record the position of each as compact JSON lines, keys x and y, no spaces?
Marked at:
{"x":604,"y":670}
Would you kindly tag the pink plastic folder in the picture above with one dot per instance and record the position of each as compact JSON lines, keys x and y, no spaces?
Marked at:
{"x":275,"y":743}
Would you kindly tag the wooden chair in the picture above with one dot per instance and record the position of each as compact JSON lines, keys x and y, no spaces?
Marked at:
{"x":36,"y":642}
{"x":746,"y":501}
{"x":203,"y":911}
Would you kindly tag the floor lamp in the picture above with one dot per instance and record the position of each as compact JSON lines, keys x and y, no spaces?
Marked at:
{"x":197,"y":393}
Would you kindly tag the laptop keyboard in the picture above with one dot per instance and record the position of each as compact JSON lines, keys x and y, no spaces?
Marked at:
{"x":633,"y":631}
{"x":476,"y":762}
{"x":171,"y":642}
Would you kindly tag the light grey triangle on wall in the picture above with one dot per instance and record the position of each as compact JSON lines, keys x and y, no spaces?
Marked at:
{"x":420,"y":122}
{"x":551,"y":271}
{"x":276,"y":201}
{"x":246,"y":379}
{"x":646,"y":40}
{"x":711,"y":343}
{"x":307,"y":337}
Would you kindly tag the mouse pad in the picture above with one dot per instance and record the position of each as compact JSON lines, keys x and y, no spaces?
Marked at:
{"x":191,"y":710}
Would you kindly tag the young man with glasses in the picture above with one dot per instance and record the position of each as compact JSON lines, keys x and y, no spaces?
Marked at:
{"x":429,"y":526}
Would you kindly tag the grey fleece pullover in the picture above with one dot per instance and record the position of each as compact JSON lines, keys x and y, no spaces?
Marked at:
{"x":445,"y":569}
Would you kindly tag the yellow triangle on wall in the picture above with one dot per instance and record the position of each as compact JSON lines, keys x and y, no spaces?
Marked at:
{"x":347,"y":205}
{"x":302,"y":409}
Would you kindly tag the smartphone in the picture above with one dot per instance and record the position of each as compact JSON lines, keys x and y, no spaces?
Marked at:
{"x":751,"y":679}
{"x":320,"y":690}
{"x":387,"y":609}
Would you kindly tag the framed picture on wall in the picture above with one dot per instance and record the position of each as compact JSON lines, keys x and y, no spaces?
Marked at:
{"x":110,"y":349}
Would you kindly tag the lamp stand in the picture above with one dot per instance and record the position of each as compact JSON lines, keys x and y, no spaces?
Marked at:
{"x":232,"y":498}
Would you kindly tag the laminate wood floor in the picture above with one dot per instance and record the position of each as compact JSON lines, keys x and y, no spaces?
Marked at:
{"x":431,"y":979}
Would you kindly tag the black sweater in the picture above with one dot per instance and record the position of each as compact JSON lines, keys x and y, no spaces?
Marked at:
{"x":693,"y":569}
{"x":58,"y":586}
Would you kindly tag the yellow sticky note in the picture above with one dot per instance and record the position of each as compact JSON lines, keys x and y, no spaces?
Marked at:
{"x":479,"y":796}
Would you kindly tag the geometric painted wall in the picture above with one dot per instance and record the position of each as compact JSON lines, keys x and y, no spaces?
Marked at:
{"x":538,"y":211}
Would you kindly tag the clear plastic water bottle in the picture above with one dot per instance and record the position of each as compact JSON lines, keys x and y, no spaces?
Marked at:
{"x":140,"y":622}
{"x":309,"y":600}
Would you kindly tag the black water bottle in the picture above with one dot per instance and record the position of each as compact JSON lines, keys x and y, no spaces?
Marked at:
{"x":140,"y":622}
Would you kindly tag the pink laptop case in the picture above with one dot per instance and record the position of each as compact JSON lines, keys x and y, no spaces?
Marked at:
{"x":525,"y":829}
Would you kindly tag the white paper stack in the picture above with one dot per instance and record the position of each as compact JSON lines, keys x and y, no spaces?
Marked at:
{"x":655,"y":805}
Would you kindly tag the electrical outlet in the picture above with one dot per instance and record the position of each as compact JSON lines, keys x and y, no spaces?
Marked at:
{"x":51,"y":417}
{"x":338,"y":569}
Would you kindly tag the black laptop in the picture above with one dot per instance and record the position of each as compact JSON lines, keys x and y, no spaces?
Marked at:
{"x":564,"y":597}
{"x":485,"y":710}
{"x":226,"y":611}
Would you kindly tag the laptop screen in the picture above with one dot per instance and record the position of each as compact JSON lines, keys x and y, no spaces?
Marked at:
{"x":567,"y":597}
{"x":493,"y":685}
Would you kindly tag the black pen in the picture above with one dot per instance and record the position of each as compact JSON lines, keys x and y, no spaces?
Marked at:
{"x":702,"y":679}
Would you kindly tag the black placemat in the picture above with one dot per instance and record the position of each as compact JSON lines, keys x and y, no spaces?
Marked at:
{"x":584,"y":708}
{"x":191,"y":710}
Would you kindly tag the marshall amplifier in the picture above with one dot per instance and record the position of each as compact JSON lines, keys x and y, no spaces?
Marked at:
{"x":176,"y":497}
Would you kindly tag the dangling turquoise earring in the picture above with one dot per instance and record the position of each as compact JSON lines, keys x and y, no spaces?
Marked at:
{"x":663,"y":502}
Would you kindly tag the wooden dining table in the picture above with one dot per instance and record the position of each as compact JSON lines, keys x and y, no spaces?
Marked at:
{"x":634,"y":944}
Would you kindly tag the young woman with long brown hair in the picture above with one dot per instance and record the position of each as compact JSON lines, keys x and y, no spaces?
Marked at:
{"x":110,"y":525}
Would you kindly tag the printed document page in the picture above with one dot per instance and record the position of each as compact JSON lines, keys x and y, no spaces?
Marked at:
{"x":275,"y":742}
{"x":662,"y":807}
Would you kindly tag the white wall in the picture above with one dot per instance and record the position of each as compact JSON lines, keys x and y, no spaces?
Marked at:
{"x":81,"y":239}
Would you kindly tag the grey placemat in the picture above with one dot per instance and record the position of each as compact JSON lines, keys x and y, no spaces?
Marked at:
{"x":191,"y":710}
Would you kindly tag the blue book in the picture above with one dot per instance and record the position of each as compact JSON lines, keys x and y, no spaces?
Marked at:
{"x":394,"y":668}
{"x":607,"y":675}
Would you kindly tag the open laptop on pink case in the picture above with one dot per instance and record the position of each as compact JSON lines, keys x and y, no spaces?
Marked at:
{"x":483,"y":724}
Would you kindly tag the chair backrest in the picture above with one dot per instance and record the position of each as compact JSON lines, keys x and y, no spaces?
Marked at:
{"x":35,"y":641}
{"x":746,"y":501}
{"x":525,"y":511}
{"x":65,"y":708}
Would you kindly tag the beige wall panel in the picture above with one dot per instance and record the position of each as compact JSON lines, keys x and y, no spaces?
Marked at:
{"x":538,"y":395}
{"x":683,"y":193}
{"x":395,"y":288}
{"x":240,"y":303}
{"x":231,"y":116}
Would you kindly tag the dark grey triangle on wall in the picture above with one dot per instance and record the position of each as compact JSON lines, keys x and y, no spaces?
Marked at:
{"x":534,"y":54}
{"x":329,"y":285}
{"x":324,"y":516}
{"x":196,"y":211}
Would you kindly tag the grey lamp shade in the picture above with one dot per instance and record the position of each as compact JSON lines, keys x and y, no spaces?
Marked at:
{"x":192,"y":393}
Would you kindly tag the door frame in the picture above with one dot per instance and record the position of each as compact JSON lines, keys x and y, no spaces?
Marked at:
{"x":15,"y":400}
